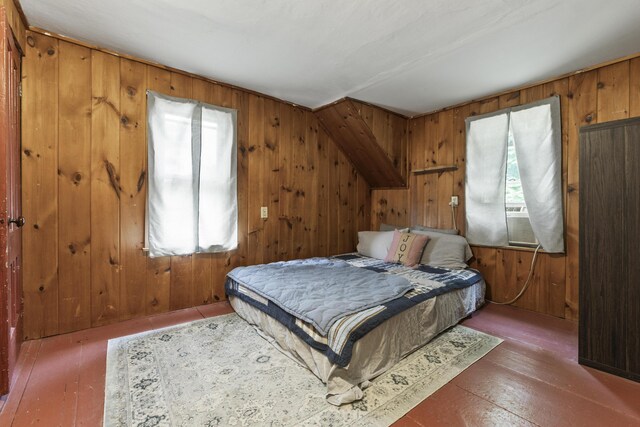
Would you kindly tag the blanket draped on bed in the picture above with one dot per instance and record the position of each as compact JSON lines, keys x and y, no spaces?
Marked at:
{"x":320,"y":290}
{"x":427,"y":281}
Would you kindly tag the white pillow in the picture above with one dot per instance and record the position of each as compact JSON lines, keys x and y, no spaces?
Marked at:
{"x":375,"y":244}
{"x":445,"y":250}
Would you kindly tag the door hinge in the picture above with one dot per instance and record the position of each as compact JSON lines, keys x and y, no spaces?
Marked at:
{"x":20,"y":89}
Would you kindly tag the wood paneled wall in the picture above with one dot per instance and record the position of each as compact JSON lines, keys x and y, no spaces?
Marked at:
{"x":390,"y":130}
{"x":15,"y":21}
{"x":608,"y":93}
{"x":84,"y":189}
{"x":375,"y":140}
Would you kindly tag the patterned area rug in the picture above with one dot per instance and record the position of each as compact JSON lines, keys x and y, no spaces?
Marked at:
{"x":219,"y":371}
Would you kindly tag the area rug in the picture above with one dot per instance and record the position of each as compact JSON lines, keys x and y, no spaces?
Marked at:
{"x":219,"y":371}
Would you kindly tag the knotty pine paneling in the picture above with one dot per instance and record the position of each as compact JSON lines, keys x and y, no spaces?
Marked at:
{"x":390,"y":207}
{"x":105,"y":188}
{"x":85,"y":180}
{"x":418,"y":159}
{"x":634,"y":84}
{"x":40,"y":204}
{"x":390,"y":131}
{"x":74,"y":187}
{"x":133,"y":160}
{"x":367,"y":138}
{"x":15,"y":22}
{"x":581,"y":111}
{"x":603,"y":94}
{"x":460,"y":155}
{"x":613,"y":92}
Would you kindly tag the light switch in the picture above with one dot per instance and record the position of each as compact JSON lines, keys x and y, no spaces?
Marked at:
{"x":264,"y":212}
{"x":454,"y":201}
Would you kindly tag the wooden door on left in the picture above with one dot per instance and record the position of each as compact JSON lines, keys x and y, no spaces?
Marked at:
{"x":11,"y":220}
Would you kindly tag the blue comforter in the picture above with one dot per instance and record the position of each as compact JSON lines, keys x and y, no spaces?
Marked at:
{"x":320,"y":290}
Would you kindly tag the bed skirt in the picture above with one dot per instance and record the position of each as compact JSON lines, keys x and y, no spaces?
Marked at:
{"x":377,"y":351}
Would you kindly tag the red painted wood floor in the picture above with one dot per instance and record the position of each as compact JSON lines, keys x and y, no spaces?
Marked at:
{"x":532,"y":378}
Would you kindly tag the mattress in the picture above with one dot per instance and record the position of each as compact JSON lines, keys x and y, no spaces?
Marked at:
{"x":377,"y":351}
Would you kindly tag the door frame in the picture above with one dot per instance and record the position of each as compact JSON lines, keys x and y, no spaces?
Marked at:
{"x":8,"y":352}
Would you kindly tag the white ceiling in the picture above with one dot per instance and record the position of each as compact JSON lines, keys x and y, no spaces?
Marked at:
{"x":411,"y":56}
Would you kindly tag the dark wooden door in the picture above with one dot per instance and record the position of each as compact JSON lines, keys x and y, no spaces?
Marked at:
{"x":11,"y":208}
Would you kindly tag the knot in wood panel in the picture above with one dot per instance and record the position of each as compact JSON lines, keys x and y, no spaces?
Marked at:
{"x":287,"y":221}
{"x":104,"y":100}
{"x":114,"y":179}
{"x":141,"y":179}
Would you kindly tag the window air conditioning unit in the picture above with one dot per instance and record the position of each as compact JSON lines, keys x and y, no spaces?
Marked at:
{"x":519,"y":227}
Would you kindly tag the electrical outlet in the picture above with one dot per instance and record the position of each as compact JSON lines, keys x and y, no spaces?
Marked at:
{"x":454,"y":201}
{"x":264,"y":212}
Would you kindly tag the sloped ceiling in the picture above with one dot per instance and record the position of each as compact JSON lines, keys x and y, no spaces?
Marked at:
{"x":411,"y":56}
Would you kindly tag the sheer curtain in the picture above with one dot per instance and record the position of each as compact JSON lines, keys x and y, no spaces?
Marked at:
{"x":538,"y":143}
{"x":537,"y":138}
{"x":192,"y":193}
{"x":485,"y":180}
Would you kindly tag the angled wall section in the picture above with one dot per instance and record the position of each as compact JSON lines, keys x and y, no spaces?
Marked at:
{"x":375,"y":140}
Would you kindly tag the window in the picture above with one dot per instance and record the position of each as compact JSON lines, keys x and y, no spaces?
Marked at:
{"x":519,"y":229}
{"x":192,"y":196}
{"x":513,"y":177}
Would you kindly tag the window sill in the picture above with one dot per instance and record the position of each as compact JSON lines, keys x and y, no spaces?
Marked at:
{"x":519,"y":248}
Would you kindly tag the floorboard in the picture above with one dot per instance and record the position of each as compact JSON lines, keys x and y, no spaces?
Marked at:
{"x":51,"y":392}
{"x":536,"y":401}
{"x":455,"y":406}
{"x":27,"y":358}
{"x":530,"y":379}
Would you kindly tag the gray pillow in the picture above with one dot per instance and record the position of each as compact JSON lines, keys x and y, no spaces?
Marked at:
{"x":445,"y":250}
{"x":389,"y":227}
{"x":438,"y":230}
{"x":376,"y":244}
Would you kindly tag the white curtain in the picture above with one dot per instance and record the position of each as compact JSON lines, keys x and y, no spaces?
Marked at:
{"x":538,"y":142}
{"x":485,"y":180}
{"x":537,"y":138}
{"x":192,"y":194}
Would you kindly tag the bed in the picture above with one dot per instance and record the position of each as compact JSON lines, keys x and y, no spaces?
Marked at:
{"x":362,"y":344}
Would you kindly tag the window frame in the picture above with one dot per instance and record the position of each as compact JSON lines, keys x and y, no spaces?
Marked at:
{"x":196,"y":144}
{"x":556,"y":115}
